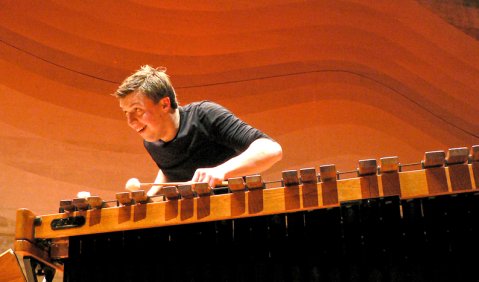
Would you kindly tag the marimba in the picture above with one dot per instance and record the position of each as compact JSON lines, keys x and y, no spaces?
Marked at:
{"x":389,"y":222}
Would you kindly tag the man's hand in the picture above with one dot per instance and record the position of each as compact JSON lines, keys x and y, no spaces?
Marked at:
{"x":212,"y":176}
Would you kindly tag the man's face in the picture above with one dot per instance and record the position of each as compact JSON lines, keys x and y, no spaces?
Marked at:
{"x":152,"y":121}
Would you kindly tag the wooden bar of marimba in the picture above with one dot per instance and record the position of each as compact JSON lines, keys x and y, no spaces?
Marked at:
{"x":384,"y":224}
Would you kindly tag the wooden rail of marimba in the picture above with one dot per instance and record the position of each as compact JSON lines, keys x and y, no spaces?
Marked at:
{"x":440,"y":173}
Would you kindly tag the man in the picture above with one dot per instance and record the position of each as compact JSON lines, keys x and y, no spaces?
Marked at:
{"x":200,"y":142}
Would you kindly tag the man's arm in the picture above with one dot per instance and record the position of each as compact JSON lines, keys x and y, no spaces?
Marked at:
{"x":260,"y":156}
{"x":160,"y":178}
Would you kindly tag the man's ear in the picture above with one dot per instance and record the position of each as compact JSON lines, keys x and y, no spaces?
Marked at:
{"x":165,"y":102}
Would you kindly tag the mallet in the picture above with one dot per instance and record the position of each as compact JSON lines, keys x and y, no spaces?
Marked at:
{"x":133,"y":184}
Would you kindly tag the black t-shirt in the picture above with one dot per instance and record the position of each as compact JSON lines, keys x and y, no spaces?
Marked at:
{"x":209,"y":135}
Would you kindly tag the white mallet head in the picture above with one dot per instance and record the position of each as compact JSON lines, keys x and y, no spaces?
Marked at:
{"x":83,"y":194}
{"x":133,"y":184}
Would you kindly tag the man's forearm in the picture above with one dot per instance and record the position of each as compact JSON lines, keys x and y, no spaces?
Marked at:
{"x":260,"y":156}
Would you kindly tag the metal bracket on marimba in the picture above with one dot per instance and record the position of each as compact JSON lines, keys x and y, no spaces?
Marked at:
{"x":68,"y":222}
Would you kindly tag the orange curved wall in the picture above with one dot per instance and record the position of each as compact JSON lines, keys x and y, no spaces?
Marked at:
{"x":332,"y":81}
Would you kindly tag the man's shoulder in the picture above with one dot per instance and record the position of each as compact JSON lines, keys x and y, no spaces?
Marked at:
{"x":202,"y":107}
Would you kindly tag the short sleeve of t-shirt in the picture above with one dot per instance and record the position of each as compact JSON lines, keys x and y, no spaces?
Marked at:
{"x":226,"y":128}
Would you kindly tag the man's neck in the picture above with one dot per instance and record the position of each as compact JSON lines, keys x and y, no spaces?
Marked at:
{"x":175,"y":120}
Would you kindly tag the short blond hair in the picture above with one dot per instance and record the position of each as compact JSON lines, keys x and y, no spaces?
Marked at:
{"x":152,"y":82}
